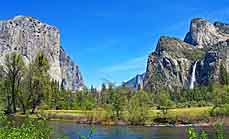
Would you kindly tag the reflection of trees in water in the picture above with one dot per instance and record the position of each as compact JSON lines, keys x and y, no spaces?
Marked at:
{"x":128,"y":132}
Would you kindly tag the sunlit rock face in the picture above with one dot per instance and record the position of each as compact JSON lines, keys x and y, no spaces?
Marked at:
{"x":170,"y":64}
{"x":204,"y":34}
{"x":71,"y":76}
{"x":29,"y":36}
{"x":206,"y":46}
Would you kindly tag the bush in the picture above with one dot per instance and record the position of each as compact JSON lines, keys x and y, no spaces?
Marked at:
{"x":138,"y":108}
{"x":219,"y":128}
{"x":30,"y":129}
{"x":222,"y":110}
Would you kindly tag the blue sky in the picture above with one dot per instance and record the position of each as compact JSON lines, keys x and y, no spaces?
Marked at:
{"x":111,"y":39}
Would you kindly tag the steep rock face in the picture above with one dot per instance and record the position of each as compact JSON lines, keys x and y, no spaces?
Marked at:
{"x":29,"y":36}
{"x":208,"y":67}
{"x":71,"y":76}
{"x":136,"y":82}
{"x":172,"y":63}
{"x":204,"y":34}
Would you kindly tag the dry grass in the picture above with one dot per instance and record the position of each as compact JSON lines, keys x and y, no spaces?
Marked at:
{"x":180,"y":112}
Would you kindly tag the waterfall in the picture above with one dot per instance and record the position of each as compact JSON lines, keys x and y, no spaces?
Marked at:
{"x":193,"y":79}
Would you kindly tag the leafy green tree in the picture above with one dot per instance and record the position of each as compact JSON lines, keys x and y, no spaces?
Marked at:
{"x":3,"y":89}
{"x":117,"y":101}
{"x":164,"y":101}
{"x":54,"y":95}
{"x":13,"y":70}
{"x":25,"y":92}
{"x":67,"y":97}
{"x":220,"y":95}
{"x":39,"y":80}
{"x":138,"y":107}
{"x":84,"y":100}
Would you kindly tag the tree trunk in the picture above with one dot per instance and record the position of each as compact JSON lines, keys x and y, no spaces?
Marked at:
{"x":23,"y":108}
{"x":8,"y":105}
{"x":33,"y":106}
{"x":13,"y":96}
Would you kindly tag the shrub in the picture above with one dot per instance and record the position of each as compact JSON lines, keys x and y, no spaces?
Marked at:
{"x":222,"y":110}
{"x":30,"y":129}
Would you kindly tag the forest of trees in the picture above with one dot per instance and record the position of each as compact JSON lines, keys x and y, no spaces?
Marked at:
{"x":26,"y":87}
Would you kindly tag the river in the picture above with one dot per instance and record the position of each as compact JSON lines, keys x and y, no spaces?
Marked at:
{"x":72,"y":130}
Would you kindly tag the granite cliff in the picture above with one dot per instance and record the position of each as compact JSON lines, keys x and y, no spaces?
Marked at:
{"x":28,"y":36}
{"x":191,"y":62}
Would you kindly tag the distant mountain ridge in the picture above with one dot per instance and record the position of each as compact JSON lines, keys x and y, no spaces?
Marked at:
{"x":28,"y":36}
{"x":136,"y":82}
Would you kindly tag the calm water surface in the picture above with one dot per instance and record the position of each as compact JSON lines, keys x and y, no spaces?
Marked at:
{"x":126,"y":132}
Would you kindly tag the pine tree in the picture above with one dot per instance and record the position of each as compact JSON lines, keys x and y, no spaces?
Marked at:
{"x":223,"y":77}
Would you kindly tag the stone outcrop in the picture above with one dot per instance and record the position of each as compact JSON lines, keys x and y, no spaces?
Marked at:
{"x":71,"y":76}
{"x":171,"y":64}
{"x":28,"y":36}
{"x":204,"y":34}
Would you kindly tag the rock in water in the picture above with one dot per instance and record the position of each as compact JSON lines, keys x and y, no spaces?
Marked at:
{"x":28,"y":36}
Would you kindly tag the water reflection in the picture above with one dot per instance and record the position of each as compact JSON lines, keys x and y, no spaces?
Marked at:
{"x":126,"y":132}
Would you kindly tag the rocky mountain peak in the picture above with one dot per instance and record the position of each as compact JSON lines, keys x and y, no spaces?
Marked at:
{"x":204,"y":34}
{"x":28,"y":36}
{"x":189,"y":63}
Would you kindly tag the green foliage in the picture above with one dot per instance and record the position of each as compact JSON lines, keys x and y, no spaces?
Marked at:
{"x":222,"y":110}
{"x":27,"y":128}
{"x":13,"y":73}
{"x":220,"y":95}
{"x":138,"y":107}
{"x":203,"y":135}
{"x":84,"y":100}
{"x":30,"y":129}
{"x":219,"y":128}
{"x":117,"y":101}
{"x":194,"y":54}
{"x":40,"y":80}
{"x":191,"y":133}
{"x":223,"y":75}
{"x":23,"y":86}
{"x":219,"y":133}
{"x":164,"y":101}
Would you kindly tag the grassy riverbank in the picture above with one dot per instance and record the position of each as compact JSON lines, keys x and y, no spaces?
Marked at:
{"x":178,"y":116}
{"x":189,"y":112}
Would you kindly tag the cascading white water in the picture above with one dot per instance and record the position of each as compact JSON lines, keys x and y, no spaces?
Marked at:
{"x":193,"y":79}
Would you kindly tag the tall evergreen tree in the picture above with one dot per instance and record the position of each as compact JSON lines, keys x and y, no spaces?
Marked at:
{"x":223,"y":77}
